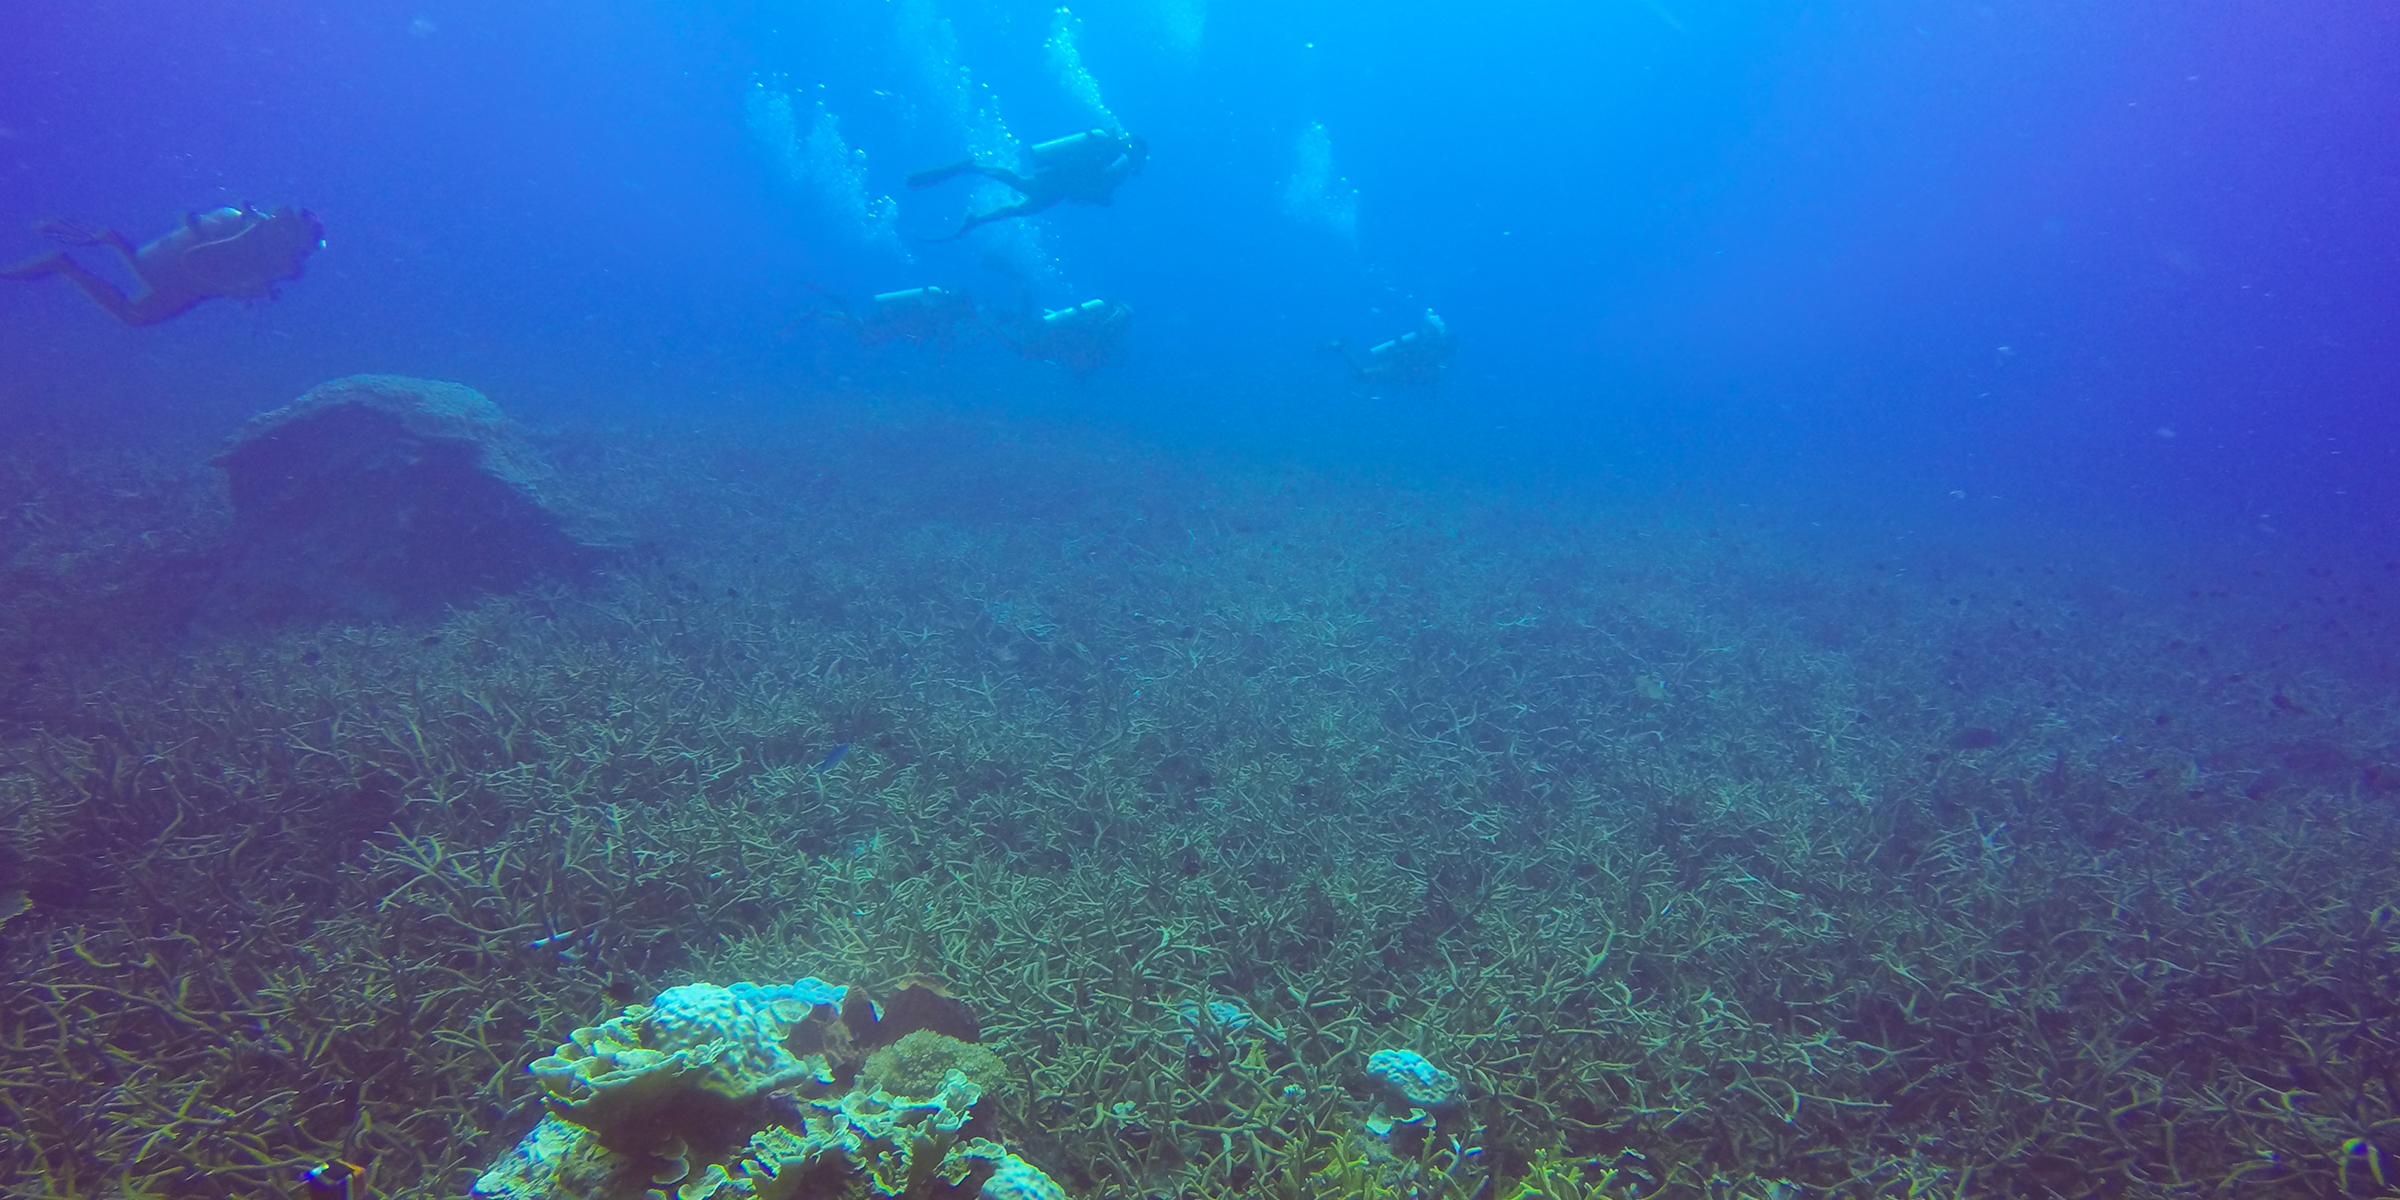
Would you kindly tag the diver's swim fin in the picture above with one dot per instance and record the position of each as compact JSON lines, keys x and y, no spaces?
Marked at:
{"x":73,"y":233}
{"x":963,"y":230}
{"x":925,"y":179}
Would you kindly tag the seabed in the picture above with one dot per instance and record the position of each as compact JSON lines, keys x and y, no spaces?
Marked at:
{"x":1713,"y":858}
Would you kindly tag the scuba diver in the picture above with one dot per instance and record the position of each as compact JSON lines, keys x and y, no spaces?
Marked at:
{"x":236,"y":253}
{"x":1078,"y":337}
{"x":1084,"y":167}
{"x":915,"y":315}
{"x":1414,"y":359}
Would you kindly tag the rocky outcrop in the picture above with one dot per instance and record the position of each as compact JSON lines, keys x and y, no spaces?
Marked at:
{"x":380,"y":495}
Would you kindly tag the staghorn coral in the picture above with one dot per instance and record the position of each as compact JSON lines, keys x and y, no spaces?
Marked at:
{"x":1770,"y":927}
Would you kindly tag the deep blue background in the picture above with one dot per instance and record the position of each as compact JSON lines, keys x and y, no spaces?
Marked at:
{"x":1761,"y":249}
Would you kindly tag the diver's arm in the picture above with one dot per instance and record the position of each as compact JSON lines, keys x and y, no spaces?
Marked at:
{"x":926,"y":179}
{"x":40,"y":266}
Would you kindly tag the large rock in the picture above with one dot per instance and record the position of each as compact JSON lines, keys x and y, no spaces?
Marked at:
{"x":381,"y":495}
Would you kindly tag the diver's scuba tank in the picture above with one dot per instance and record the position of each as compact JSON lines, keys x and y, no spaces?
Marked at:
{"x":920,"y":297}
{"x":1073,"y":314}
{"x":1074,"y":145}
{"x":1078,"y":337}
{"x":1435,"y":336}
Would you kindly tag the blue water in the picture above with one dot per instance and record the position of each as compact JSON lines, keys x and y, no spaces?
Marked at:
{"x":2130,"y":271}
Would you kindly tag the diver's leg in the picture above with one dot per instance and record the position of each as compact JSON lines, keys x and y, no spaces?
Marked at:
{"x":977,"y":220}
{"x":102,"y":292}
{"x":40,"y":266}
{"x":998,"y":214}
{"x":926,"y":179}
{"x":1002,"y":175}
{"x":116,"y":241}
{"x":923,"y":179}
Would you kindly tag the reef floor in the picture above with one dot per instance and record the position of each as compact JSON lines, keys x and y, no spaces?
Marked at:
{"x":1716,"y":855}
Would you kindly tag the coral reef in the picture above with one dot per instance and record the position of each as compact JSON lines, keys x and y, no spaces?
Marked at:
{"x":918,"y":1064}
{"x":1655,"y":828}
{"x":640,"y":1075}
{"x":700,"y":1092}
{"x":560,"y":1159}
{"x":1011,"y":1178}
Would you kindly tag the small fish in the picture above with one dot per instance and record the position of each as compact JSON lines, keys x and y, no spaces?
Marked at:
{"x":331,"y":1179}
{"x":573,"y":946}
{"x":832,"y":759}
{"x":625,"y":989}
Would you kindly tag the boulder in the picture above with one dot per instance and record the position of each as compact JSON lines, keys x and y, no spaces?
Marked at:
{"x":380,"y":495}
